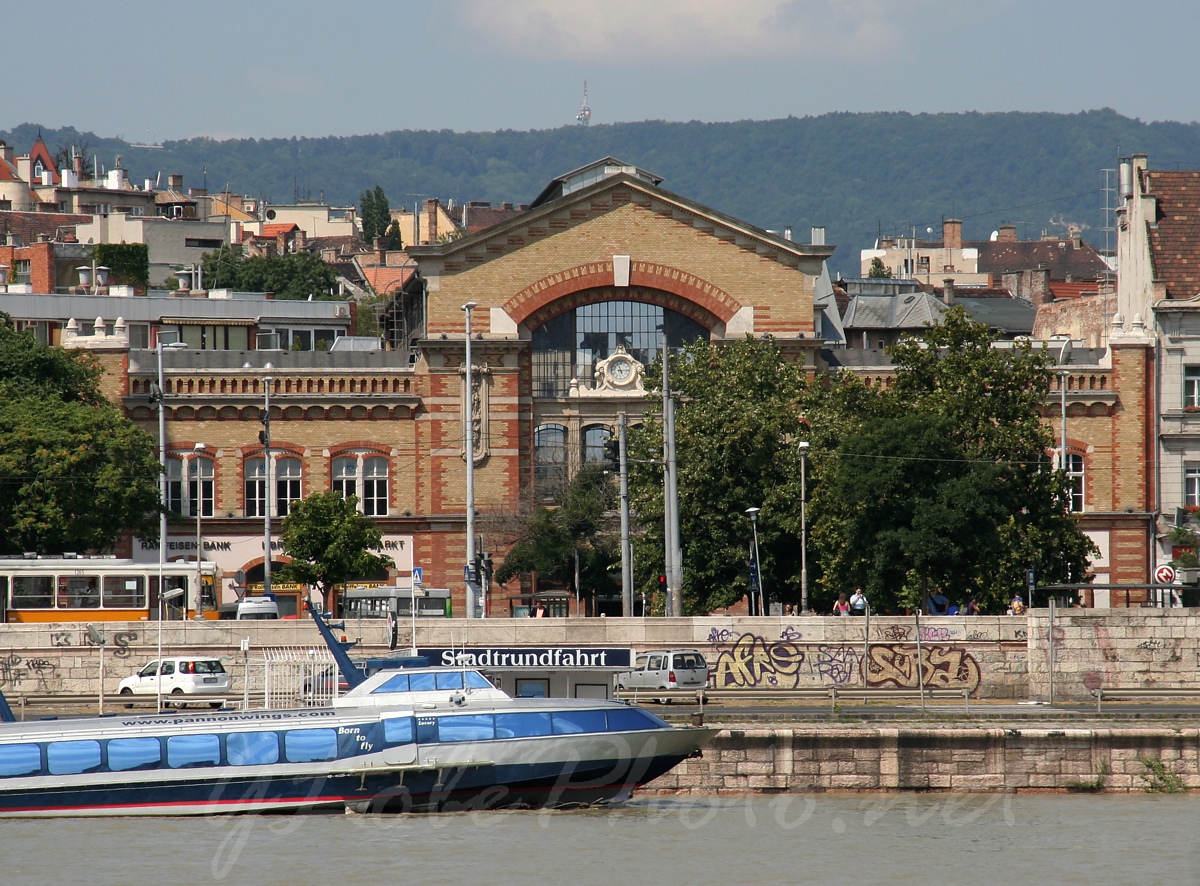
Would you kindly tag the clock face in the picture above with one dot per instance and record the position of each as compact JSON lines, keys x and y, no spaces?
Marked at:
{"x":620,"y":371}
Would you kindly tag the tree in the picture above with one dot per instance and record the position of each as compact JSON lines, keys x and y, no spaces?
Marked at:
{"x":75,"y":474}
{"x":376,"y":214}
{"x":878,"y":270}
{"x":555,"y":537}
{"x":330,"y":542}
{"x":392,"y":239}
{"x":736,"y":417}
{"x":295,"y":276}
{"x":945,"y":480}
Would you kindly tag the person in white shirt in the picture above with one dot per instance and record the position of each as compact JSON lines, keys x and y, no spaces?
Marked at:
{"x":858,"y":602}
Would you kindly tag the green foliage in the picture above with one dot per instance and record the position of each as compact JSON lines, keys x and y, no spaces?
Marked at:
{"x":293,"y":276}
{"x":1158,"y":779}
{"x":1091,"y":785}
{"x":126,"y":262}
{"x":737,"y":411}
{"x":330,"y":542}
{"x":392,"y":239}
{"x":878,"y":270}
{"x":375,"y":215}
{"x":75,"y":474}
{"x":553,"y":537}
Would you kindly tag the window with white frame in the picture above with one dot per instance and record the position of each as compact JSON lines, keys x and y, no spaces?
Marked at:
{"x":287,"y":473}
{"x":366,"y":477}
{"x":256,"y":487}
{"x":550,"y":458}
{"x":1191,"y":486}
{"x":182,"y":497}
{"x":1074,"y":467}
{"x":287,"y":484}
{"x":1191,"y":387}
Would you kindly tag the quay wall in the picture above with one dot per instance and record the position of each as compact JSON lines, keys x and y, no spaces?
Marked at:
{"x":998,"y":657}
{"x":786,"y":760}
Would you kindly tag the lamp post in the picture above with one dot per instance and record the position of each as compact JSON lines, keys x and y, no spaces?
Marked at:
{"x":198,"y":503}
{"x":265,"y":438}
{"x":803,"y":526}
{"x":756,"y":572}
{"x":469,"y":444}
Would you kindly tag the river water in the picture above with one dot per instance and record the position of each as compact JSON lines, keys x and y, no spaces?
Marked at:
{"x":827,"y":838}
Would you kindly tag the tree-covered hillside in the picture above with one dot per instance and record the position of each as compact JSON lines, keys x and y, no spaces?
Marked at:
{"x":855,"y":174}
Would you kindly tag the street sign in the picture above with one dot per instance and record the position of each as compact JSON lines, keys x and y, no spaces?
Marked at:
{"x":467,"y":572}
{"x":418,"y":575}
{"x":1165,"y":574}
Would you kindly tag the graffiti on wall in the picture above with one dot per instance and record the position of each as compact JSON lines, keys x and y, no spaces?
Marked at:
{"x":28,"y":674}
{"x":118,"y":644}
{"x":943,"y":667}
{"x":755,"y":662}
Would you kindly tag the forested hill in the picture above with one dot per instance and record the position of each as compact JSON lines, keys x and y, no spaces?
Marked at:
{"x":856,"y":174}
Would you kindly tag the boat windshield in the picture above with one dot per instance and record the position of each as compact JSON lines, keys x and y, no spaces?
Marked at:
{"x":425,"y":682}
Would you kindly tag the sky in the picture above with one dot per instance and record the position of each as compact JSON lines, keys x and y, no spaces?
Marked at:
{"x":157,"y":70}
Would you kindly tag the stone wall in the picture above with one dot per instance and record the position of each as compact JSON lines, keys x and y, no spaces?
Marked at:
{"x":995,"y":657}
{"x":959,"y":759}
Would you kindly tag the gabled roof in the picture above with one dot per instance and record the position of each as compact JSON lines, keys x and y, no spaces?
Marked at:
{"x":28,"y":225}
{"x":273,"y":231}
{"x":39,"y":151}
{"x":386,"y":279}
{"x":1175,"y":239}
{"x":1067,"y":258}
{"x":168,"y":198}
{"x":915,"y":310}
{"x":580,"y":178}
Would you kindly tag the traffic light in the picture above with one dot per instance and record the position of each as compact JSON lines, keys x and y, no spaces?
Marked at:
{"x":264,"y":436}
{"x":488,"y":568}
{"x":662,"y":584}
{"x":612,"y":453}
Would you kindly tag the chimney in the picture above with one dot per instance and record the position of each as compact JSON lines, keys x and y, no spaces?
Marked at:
{"x":818,"y":235}
{"x":952,"y":233}
{"x":175,"y":182}
{"x":1076,"y":240}
{"x":77,"y":164}
{"x":299,"y":242}
{"x":431,"y":226}
{"x":1008,"y":234}
{"x":948,"y":291}
{"x":6,"y":152}
{"x":1039,"y":286}
{"x":380,"y":252}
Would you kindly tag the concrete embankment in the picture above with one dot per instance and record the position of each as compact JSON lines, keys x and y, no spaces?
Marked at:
{"x":908,"y":757}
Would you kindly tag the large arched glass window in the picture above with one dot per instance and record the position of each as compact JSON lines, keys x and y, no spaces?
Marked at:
{"x":594,"y":438}
{"x":1074,"y":466}
{"x":287,"y":486}
{"x":183,"y":498}
{"x":550,"y":458}
{"x":570,"y":345}
{"x":363,"y":476}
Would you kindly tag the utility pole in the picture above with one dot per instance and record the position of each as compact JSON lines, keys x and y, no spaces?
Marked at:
{"x":673,"y":553}
{"x":626,"y":549}
{"x":469,"y":442}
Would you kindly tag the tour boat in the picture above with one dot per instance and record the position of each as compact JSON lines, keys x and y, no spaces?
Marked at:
{"x":410,"y":739}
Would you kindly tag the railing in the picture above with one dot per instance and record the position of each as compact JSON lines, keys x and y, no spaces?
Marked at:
{"x":833,"y":693}
{"x":1139,"y":692}
{"x":116,"y":703}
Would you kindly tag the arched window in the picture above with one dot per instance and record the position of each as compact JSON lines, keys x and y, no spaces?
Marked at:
{"x":256,"y":487}
{"x":550,"y":458}
{"x":287,"y":484}
{"x":364,"y":476}
{"x":286,"y":472}
{"x":1074,"y":468}
{"x":594,"y":438}
{"x":183,"y":498}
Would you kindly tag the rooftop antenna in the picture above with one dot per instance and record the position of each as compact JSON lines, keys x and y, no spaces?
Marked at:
{"x":584,"y":117}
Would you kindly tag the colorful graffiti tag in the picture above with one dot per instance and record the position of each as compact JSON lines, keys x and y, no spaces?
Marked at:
{"x":942,"y":667}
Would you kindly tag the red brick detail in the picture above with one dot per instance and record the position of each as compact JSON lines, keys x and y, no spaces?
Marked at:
{"x":690,"y":295}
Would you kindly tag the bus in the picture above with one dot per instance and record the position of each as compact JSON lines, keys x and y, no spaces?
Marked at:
{"x":379,"y":602}
{"x":90,"y":589}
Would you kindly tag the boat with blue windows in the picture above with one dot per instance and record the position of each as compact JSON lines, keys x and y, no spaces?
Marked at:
{"x":400,"y":740}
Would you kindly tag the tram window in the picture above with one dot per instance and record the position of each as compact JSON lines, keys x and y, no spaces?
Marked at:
{"x":78,"y":592}
{"x":575,"y":722}
{"x":398,"y":730}
{"x":125,"y":754}
{"x":309,"y":745}
{"x":20,"y":759}
{"x":252,"y":748}
{"x":467,"y":727}
{"x":450,"y":680}
{"x":398,"y":683}
{"x":626,"y":719}
{"x":422,"y":682}
{"x":32,"y":592}
{"x":524,"y":725}
{"x":72,"y":757}
{"x":125,"y":591}
{"x":187,"y":751}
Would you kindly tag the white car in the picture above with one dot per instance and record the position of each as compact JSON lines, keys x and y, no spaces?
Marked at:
{"x":668,"y":669}
{"x":180,"y":676}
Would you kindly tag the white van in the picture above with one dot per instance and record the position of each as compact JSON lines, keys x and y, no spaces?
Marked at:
{"x":249,"y":608}
{"x":180,"y":676}
{"x":668,"y":669}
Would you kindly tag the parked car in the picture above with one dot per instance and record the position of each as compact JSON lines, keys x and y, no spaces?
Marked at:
{"x":669,"y":669}
{"x":180,"y":676}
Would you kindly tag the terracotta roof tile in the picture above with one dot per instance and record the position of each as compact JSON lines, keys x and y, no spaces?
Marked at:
{"x":1061,"y":256}
{"x":384,"y":279}
{"x":28,"y":225}
{"x":1175,"y":239}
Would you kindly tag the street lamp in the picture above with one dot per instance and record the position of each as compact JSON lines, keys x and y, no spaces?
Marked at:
{"x":803,"y":445}
{"x":756,"y":572}
{"x":158,"y":395}
{"x":469,"y":443}
{"x":198,"y":503}
{"x":265,"y":439}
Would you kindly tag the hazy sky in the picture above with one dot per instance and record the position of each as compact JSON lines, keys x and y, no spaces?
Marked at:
{"x":152,"y":70}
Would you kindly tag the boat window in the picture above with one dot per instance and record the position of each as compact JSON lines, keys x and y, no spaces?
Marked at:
{"x":476,"y":680}
{"x":450,"y":680}
{"x":71,"y":757}
{"x":309,"y":745}
{"x":522,"y":725}
{"x":186,"y":751}
{"x":398,"y":730}
{"x":533,"y":687}
{"x":626,"y":719}
{"x":134,"y":753}
{"x":252,"y":748}
{"x":467,"y":727}
{"x":422,"y":682}
{"x":398,"y":683}
{"x":574,"y":722}
{"x":427,"y":730}
{"x":20,"y":759}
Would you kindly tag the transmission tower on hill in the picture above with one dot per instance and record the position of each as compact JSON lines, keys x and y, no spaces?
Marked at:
{"x":585,"y":113}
